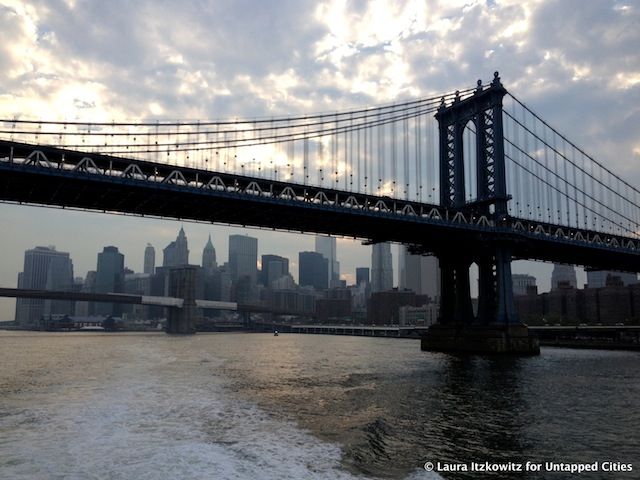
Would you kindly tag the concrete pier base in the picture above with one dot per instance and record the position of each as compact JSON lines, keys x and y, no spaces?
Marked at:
{"x":489,"y":339}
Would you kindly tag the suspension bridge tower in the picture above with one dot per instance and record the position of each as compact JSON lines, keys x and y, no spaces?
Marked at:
{"x":495,"y":328}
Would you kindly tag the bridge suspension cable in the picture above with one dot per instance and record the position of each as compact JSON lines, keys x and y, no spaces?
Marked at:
{"x":552,"y":180}
{"x":379,"y":150}
{"x":388,"y":150}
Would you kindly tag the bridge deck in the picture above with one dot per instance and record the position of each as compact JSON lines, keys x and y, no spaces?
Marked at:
{"x":52,"y":176}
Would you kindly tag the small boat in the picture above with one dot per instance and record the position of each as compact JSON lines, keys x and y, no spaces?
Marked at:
{"x":275,"y":333}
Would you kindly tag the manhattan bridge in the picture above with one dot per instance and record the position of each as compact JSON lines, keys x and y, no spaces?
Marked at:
{"x":471,"y":176}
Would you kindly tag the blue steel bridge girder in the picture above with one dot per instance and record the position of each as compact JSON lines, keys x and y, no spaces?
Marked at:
{"x":235,"y":199}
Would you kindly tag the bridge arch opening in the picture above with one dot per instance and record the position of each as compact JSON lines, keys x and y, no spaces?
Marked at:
{"x":474,"y":287}
{"x":470,"y":161}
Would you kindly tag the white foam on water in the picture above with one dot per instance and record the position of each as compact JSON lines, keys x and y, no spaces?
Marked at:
{"x":155,"y":414}
{"x":151,"y":422}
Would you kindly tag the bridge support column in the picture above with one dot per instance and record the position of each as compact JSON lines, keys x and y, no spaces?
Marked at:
{"x":464,"y":309}
{"x":496,"y":328}
{"x":182,"y":284}
{"x":447,"y":292}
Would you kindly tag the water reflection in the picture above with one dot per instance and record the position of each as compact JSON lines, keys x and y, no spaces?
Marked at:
{"x":388,"y":406}
{"x":394,"y":407}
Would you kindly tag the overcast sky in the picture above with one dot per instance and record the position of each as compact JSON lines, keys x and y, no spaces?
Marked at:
{"x":576,"y":63}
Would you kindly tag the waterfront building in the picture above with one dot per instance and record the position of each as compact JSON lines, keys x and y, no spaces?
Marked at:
{"x":301,"y":301}
{"x":523,"y":283}
{"x":384,"y":307}
{"x":563,"y":276}
{"x":138,"y":284}
{"x":426,"y":314}
{"x":44,"y":268}
{"x":360,"y":295}
{"x":598,"y":278}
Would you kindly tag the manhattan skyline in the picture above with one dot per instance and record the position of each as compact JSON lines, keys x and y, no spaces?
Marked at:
{"x":332,"y":55}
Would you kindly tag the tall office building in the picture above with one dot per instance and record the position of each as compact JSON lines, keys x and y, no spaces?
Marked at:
{"x":522,"y":283}
{"x":176,"y":253}
{"x":381,"y":268}
{"x":243,"y":257}
{"x":563,"y":276}
{"x":362,"y":275}
{"x":149,"y":259}
{"x":109,"y":278}
{"x":418,"y":273}
{"x":326,"y":246}
{"x":60,"y":277}
{"x":209,"y":263}
{"x":313,"y":270}
{"x":44,"y":269}
{"x":86,"y":309}
{"x":273,"y":267}
{"x":598,"y":278}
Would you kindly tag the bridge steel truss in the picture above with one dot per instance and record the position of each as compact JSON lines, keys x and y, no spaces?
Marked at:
{"x":44,"y":175}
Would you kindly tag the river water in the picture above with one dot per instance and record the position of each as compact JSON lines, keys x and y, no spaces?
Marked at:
{"x":227,"y":406}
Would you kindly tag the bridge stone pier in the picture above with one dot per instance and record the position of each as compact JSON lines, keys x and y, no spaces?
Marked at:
{"x":495,"y":328}
{"x":182,"y":284}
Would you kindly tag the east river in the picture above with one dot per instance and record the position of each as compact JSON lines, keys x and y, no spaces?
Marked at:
{"x":232,"y":406}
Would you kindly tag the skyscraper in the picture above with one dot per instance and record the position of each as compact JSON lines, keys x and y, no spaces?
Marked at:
{"x":326,"y":246}
{"x":85,"y":309}
{"x":418,"y":273}
{"x":60,"y":277}
{"x":563,"y":275}
{"x":362,"y":275}
{"x":381,"y":267}
{"x":273,"y":267}
{"x":243,"y":257}
{"x":209,"y":263}
{"x":522,"y":283}
{"x":598,"y":278}
{"x":109,"y":278}
{"x":176,"y":253}
{"x":313,"y":270}
{"x":44,"y":268}
{"x":149,"y":259}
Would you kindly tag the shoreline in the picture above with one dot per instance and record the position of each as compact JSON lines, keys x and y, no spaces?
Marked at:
{"x":584,"y":344}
